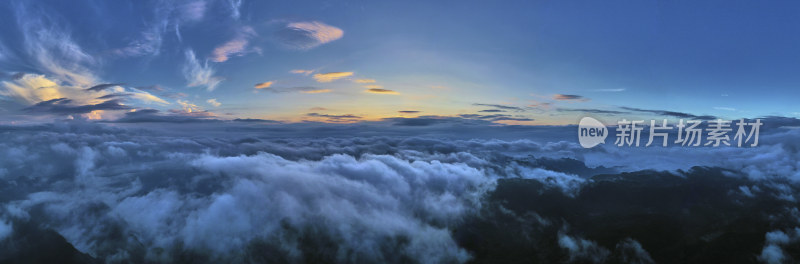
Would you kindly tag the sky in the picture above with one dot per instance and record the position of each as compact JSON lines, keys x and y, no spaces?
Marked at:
{"x":228,"y":131}
{"x":514,"y":62}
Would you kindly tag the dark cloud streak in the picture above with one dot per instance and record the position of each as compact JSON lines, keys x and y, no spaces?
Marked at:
{"x":64,"y":106}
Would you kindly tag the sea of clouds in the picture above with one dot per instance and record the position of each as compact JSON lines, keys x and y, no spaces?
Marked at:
{"x":239,"y":195}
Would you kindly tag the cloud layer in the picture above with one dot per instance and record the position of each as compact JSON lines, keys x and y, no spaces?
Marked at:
{"x":229,"y":192}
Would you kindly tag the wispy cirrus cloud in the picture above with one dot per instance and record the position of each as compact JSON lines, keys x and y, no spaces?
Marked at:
{"x":192,"y":10}
{"x":307,"y":35}
{"x":144,"y":96}
{"x":331,"y":76}
{"x":213,"y":102}
{"x":51,"y":48}
{"x":235,"y":6}
{"x":365,"y":81}
{"x":233,"y":47}
{"x":5,"y":53}
{"x":167,"y":16}
{"x":197,"y":74}
{"x":237,"y":46}
{"x":148,"y":43}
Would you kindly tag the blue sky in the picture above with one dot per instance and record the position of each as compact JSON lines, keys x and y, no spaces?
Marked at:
{"x":526,"y":62}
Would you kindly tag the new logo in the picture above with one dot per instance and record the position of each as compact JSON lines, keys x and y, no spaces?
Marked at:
{"x":591,"y":132}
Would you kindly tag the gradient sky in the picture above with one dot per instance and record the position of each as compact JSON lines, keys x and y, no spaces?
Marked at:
{"x":513,"y":62}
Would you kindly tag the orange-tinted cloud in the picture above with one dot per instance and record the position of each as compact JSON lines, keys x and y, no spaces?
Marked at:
{"x":317,"y":91}
{"x":263,"y":85}
{"x":94,"y":115}
{"x":306,"y":72}
{"x":308,"y":35}
{"x":234,"y":47}
{"x":331,"y":76}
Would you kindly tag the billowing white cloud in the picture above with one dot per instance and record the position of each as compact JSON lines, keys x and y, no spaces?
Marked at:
{"x":197,"y":74}
{"x":227,"y":195}
{"x":582,"y":250}
{"x":631,"y":251}
{"x":213,"y":102}
{"x":234,"y":196}
{"x":773,"y":252}
{"x":6,"y":229}
{"x":190,"y":109}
